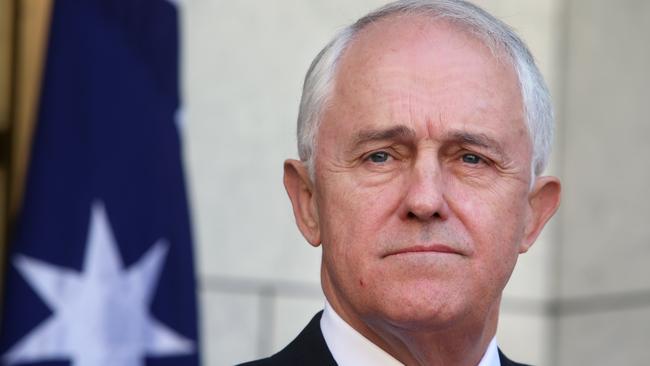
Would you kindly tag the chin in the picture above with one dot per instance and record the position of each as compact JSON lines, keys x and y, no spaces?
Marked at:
{"x":416,"y":310}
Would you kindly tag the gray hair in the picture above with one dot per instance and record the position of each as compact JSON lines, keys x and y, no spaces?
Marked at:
{"x":319,"y":81}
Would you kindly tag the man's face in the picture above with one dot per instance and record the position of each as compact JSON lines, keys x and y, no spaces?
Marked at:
{"x":421,"y":197}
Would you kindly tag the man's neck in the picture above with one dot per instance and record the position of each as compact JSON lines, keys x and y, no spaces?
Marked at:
{"x":463,"y":344}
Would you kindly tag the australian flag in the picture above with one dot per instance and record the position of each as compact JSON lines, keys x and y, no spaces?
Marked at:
{"x":100,"y":267}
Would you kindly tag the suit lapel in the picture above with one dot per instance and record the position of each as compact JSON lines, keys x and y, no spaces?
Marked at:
{"x":506,"y":362}
{"x":309,"y":348}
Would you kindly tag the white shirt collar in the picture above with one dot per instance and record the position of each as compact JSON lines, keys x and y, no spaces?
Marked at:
{"x":350,"y":348}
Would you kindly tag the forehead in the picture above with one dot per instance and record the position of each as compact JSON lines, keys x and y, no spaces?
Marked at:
{"x":433,"y":68}
{"x":424,"y":43}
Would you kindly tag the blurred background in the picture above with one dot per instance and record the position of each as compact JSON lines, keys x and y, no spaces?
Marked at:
{"x":580,"y":296}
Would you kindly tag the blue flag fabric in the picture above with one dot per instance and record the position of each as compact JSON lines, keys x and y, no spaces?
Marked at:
{"x":100,"y":265}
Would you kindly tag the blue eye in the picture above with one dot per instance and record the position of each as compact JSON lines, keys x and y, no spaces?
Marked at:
{"x":471,"y":159}
{"x":379,"y":157}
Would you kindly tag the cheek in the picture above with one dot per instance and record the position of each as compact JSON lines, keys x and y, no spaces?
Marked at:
{"x":495,"y":236}
{"x":494,"y":220}
{"x":353,"y":220}
{"x":354,"y":214}
{"x":497,"y":209}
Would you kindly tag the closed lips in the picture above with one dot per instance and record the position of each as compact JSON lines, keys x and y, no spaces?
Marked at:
{"x":436,"y":248}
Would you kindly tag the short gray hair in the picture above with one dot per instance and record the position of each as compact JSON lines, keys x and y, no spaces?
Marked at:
{"x":538,"y":110}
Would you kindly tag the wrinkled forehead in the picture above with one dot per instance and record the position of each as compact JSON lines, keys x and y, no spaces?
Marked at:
{"x":422,"y":35}
{"x":426,"y":52}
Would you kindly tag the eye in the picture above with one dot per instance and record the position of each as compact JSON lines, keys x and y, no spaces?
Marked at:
{"x":379,"y":157}
{"x":472,"y":159}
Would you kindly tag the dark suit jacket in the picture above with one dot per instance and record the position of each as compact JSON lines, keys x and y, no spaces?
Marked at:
{"x":310,"y":349}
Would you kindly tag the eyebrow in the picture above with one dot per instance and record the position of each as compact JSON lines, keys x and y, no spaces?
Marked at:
{"x":400,"y":133}
{"x":403,"y":133}
{"x":477,"y":139}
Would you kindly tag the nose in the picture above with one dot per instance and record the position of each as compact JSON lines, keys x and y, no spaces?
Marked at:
{"x":425,"y":197}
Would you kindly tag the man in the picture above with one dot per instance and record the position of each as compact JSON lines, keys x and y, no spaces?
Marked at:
{"x":423,"y":131}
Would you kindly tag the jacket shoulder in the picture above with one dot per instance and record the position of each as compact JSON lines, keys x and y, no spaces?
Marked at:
{"x":309,"y":348}
{"x":505,"y":361}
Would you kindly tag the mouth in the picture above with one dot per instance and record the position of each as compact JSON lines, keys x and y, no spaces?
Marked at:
{"x":424,"y":249}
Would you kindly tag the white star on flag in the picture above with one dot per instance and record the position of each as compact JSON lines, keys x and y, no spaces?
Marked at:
{"x":101,"y":315}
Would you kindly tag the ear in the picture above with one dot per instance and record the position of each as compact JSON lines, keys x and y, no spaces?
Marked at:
{"x":543,"y":201}
{"x":301,"y":193}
